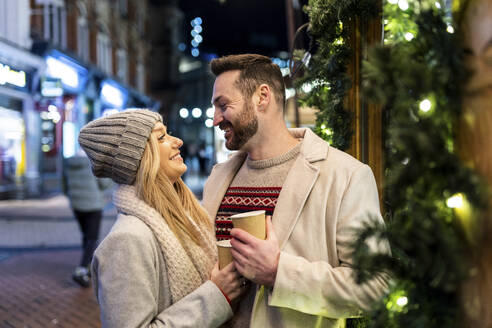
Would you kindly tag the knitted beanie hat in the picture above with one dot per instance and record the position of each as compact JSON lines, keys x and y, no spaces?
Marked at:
{"x":115,"y":143}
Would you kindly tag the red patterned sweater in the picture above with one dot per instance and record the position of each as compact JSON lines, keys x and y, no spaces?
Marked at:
{"x":256,"y":186}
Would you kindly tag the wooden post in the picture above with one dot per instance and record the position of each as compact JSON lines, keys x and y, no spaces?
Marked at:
{"x":367,"y":121}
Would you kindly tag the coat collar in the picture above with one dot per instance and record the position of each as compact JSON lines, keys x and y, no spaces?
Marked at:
{"x":297,"y":186}
{"x":313,"y":148}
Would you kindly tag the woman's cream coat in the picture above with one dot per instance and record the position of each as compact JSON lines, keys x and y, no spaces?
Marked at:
{"x":326,"y":195}
{"x":132,"y":286}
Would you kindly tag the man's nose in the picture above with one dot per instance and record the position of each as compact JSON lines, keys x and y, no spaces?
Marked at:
{"x":217,"y":117}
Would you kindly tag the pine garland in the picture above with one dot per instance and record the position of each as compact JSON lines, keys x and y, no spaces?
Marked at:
{"x":418,"y":77}
{"x":327,"y":72}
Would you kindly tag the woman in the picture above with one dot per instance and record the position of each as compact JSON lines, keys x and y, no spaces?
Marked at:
{"x":156,"y":266}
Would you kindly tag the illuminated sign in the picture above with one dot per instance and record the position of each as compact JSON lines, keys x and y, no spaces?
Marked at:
{"x":71,"y":74}
{"x":112,"y":94}
{"x":69,"y":139}
{"x":64,"y":72}
{"x":11,"y":76}
{"x":51,"y":87}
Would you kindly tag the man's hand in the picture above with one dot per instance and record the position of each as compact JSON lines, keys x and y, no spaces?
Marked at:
{"x":256,"y":259}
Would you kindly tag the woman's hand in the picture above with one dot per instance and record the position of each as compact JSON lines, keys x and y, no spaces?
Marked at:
{"x":229,"y":281}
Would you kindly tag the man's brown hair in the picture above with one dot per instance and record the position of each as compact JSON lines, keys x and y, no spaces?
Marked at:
{"x":254,"y":70}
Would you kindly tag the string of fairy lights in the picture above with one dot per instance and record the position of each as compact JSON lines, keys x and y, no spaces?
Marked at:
{"x":197,"y":38}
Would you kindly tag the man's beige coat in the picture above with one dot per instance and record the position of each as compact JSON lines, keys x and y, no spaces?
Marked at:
{"x":326,"y":195}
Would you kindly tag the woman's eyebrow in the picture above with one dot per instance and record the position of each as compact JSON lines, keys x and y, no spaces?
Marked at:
{"x":160,"y":128}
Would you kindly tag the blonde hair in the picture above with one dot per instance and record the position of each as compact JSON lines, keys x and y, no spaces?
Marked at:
{"x":175,"y":202}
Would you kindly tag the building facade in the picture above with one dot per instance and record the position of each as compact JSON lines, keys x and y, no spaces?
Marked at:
{"x":64,"y":63}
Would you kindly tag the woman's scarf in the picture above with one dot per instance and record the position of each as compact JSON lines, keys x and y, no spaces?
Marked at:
{"x":188,"y":265}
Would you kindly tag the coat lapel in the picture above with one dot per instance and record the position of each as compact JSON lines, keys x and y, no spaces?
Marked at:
{"x":298,"y":184}
{"x":294,"y":194}
{"x":219,"y":181}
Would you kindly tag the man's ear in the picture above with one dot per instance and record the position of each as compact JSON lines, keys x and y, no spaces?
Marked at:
{"x":264,"y":96}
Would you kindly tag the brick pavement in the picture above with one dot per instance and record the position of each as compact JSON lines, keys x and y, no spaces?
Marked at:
{"x":36,"y":291}
{"x":39,"y":248}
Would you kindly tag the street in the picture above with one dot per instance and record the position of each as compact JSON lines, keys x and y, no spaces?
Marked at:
{"x":36,"y":290}
{"x":40,"y":245}
{"x":39,"y":248}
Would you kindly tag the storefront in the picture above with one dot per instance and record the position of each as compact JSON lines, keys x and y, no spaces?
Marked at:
{"x":19,"y":129}
{"x":113,"y":96}
{"x":63,"y":109}
{"x":12,"y":145}
{"x":72,"y":95}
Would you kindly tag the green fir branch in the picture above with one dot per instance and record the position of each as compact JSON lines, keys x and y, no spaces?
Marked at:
{"x":418,"y":79}
{"x":327,"y":70}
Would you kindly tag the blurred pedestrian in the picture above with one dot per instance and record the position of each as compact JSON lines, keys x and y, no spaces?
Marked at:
{"x":156,"y":266}
{"x":86,"y":195}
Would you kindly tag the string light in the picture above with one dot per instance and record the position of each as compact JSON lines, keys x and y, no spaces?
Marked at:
{"x":402,"y":301}
{"x":196,"y":112}
{"x":307,"y":87}
{"x":196,"y":23}
{"x":455,"y":201}
{"x":403,"y":4}
{"x":397,"y":301}
{"x":183,"y":112}
{"x":326,"y":131}
{"x":425,"y":105}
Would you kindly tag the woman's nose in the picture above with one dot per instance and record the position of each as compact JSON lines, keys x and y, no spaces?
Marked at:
{"x":178,"y":142}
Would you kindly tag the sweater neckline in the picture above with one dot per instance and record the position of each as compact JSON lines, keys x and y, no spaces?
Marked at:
{"x":270,"y":162}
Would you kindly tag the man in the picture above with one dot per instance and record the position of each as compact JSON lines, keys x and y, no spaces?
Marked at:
{"x":316,"y":194}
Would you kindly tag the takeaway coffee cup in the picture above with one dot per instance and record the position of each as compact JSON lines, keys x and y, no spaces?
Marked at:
{"x":252,"y":222}
{"x":225,"y":256}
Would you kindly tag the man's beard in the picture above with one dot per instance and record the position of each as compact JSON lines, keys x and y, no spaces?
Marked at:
{"x":245,"y":127}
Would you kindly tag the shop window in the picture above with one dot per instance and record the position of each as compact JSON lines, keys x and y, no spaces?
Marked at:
{"x":141,"y":22}
{"x":55,"y":22}
{"x":83,"y":39}
{"x":141,"y":77}
{"x":12,"y":139}
{"x":104,"y":57}
{"x":123,"y":7}
{"x":14,"y":22}
{"x":122,"y":72}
